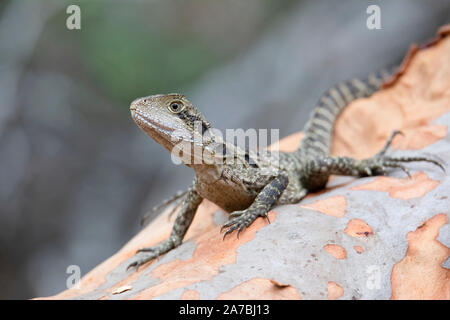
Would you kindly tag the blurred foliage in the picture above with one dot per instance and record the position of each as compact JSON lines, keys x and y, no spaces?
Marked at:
{"x":138,"y":60}
{"x":136,"y":48}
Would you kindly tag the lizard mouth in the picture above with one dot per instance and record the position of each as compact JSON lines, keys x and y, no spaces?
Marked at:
{"x":143,"y":121}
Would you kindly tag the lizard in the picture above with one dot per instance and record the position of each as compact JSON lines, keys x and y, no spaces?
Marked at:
{"x":251,"y":185}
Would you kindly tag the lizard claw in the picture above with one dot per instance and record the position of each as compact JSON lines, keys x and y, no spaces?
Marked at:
{"x":133,"y":265}
{"x":139,"y":262}
{"x":151,"y":253}
{"x":267,"y":218}
{"x":239,"y":220}
{"x":389,"y":142}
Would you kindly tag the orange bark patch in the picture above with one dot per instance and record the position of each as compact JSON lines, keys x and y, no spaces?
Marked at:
{"x":420,"y":275}
{"x":212,"y":252}
{"x":190,"y":295}
{"x":417,"y":97}
{"x":358,"y":228}
{"x":260,"y":289}
{"x":333,"y":206}
{"x":415,"y":187}
{"x":335,"y":291}
{"x":420,"y":137}
{"x":358,"y":249}
{"x":336,"y":251}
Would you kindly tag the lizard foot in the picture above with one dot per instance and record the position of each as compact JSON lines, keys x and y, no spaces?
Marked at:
{"x":151,"y":253}
{"x":378,"y":164}
{"x":239,"y":220}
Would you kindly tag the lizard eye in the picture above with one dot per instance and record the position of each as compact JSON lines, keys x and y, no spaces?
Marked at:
{"x":176,"y":107}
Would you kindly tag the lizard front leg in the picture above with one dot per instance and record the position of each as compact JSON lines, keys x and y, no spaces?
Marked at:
{"x":264,"y":201}
{"x":184,"y":219}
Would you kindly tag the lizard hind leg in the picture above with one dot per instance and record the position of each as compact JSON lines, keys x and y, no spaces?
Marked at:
{"x":378,"y":163}
{"x":176,"y":199}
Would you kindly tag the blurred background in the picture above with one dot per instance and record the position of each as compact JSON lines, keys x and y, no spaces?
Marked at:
{"x":76,"y":173}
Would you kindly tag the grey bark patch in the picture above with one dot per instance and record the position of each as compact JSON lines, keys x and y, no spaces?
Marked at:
{"x":220,"y":217}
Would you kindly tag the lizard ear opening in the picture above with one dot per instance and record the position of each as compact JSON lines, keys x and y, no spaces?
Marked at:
{"x":176,"y":106}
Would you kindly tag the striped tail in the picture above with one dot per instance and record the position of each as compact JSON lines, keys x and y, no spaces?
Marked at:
{"x":319,"y":129}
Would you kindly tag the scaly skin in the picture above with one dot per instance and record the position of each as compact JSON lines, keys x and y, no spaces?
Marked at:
{"x":253,"y":184}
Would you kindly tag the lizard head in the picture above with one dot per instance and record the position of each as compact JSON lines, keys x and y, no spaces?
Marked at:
{"x":169,"y":119}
